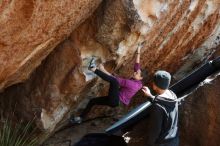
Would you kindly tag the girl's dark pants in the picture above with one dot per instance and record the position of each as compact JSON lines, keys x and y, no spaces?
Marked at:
{"x":112,"y":99}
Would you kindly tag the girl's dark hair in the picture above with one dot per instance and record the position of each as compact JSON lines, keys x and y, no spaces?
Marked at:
{"x":144,"y":73}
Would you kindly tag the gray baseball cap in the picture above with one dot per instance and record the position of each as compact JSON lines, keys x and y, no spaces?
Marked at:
{"x":162,"y":79}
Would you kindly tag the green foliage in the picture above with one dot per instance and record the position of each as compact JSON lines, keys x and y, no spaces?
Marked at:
{"x":17,"y":135}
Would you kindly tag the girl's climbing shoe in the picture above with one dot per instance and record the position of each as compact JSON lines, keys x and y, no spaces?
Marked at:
{"x":92,"y":64}
{"x":75,"y":120}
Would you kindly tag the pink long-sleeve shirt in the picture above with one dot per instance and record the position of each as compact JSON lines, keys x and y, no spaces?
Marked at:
{"x":129,"y":87}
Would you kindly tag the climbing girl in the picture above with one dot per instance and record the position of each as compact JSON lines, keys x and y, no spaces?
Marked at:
{"x":120,"y":89}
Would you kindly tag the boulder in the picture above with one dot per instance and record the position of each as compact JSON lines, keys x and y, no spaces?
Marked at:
{"x":45,"y":47}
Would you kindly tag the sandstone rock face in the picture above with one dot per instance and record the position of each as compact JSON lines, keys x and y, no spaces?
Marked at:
{"x":30,"y":30}
{"x":200,"y":116}
{"x":52,"y":75}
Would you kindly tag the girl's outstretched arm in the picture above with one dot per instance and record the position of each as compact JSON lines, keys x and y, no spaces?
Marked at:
{"x":138,"y":52}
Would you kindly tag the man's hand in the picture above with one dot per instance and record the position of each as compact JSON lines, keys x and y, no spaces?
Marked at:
{"x":147,"y":92}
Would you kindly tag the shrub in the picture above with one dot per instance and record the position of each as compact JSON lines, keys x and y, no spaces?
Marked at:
{"x":20,"y":134}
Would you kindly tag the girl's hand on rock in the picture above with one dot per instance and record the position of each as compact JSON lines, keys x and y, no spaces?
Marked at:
{"x":140,"y":45}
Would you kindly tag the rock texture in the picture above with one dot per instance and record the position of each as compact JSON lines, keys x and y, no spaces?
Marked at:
{"x":200,"y":116}
{"x":30,"y":30}
{"x":45,"y":48}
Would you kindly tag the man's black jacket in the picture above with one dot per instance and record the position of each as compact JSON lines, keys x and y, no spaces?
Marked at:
{"x":163,"y":120}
